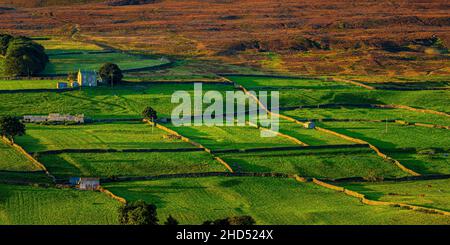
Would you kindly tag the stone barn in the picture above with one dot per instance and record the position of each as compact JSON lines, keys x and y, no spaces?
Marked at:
{"x":310,"y":125}
{"x":89,"y":183}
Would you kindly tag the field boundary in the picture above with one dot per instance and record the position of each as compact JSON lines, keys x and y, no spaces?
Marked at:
{"x":371,"y":106}
{"x":198,"y":175}
{"x":186,"y":139}
{"x":112,"y":195}
{"x":110,"y":150}
{"x":28,"y":156}
{"x":292,"y":148}
{"x":358,"y":141}
{"x":359,"y":84}
{"x":379,"y":153}
{"x":293,"y":139}
{"x":364,"y":200}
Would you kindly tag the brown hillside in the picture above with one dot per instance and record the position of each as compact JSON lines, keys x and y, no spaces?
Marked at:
{"x":315,"y":37}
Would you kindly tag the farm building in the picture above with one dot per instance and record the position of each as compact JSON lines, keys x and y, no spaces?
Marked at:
{"x":34,"y":119}
{"x":62,"y":85}
{"x":54,"y":117}
{"x":87,"y":78}
{"x":89,"y":183}
{"x":310,"y":125}
{"x":73,"y":181}
{"x":74,"y":84}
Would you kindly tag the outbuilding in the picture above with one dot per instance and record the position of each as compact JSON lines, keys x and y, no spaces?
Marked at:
{"x":310,"y":125}
{"x":62,"y":85}
{"x":89,"y":183}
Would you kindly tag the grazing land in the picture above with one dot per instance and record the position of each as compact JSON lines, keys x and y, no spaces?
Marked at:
{"x":194,"y":200}
{"x":12,"y":160}
{"x":429,"y":193}
{"x":364,"y":105}
{"x":118,"y":135}
{"x":330,"y":163}
{"x":237,"y":137}
{"x":393,"y":136}
{"x":27,"y":205}
{"x":426,"y":162}
{"x":129,"y":164}
{"x":65,"y":63}
{"x":352,"y":113}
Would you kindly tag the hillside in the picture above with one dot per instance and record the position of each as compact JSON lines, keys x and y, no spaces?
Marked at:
{"x":326,"y":37}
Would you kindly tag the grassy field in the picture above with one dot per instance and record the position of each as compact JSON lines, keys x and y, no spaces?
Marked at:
{"x":301,"y":92}
{"x":12,"y":160}
{"x":368,"y":114}
{"x":27,"y":205}
{"x":58,"y":45}
{"x":224,"y":137}
{"x":310,"y":136}
{"x":397,"y":136}
{"x":268,"y":200}
{"x":426,"y":193}
{"x":330,"y":163}
{"x":101,"y":102}
{"x":129,"y":164}
{"x":62,"y":64}
{"x":438,"y":163}
{"x":27,"y":84}
{"x":119,"y":135}
{"x":33,"y":177}
{"x":262,"y":83}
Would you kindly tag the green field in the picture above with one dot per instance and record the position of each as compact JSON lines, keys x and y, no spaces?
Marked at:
{"x":310,"y":136}
{"x":262,"y":83}
{"x":368,"y":114}
{"x":63,"y":64}
{"x":237,"y":137}
{"x":426,"y":193}
{"x":437,"y":163}
{"x":396,"y":136}
{"x":101,"y":102}
{"x":329,"y":163}
{"x":267,"y":200}
{"x":129,"y":164}
{"x":27,"y":84}
{"x":119,"y":135}
{"x":29,"y":177}
{"x":314,"y":92}
{"x":13,"y":160}
{"x":27,"y":205}
{"x":57,"y":45}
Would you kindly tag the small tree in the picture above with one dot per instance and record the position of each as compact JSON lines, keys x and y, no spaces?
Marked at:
{"x":138,"y":213}
{"x":110,"y":73}
{"x":171,"y":221}
{"x":241,"y":220}
{"x":72,"y":76}
{"x":11,"y":126}
{"x":237,"y":220}
{"x":150,"y":114}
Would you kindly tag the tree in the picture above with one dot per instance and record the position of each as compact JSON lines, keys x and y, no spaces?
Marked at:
{"x":241,"y":220}
{"x":72,"y":76}
{"x":237,"y":220}
{"x":138,"y":213}
{"x":150,"y":114}
{"x":4,"y":42}
{"x":110,"y":73}
{"x":11,"y":126}
{"x":23,"y":56}
{"x":171,"y":221}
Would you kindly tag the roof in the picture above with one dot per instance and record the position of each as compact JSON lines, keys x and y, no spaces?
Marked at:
{"x":89,"y":179}
{"x":88,"y":72}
